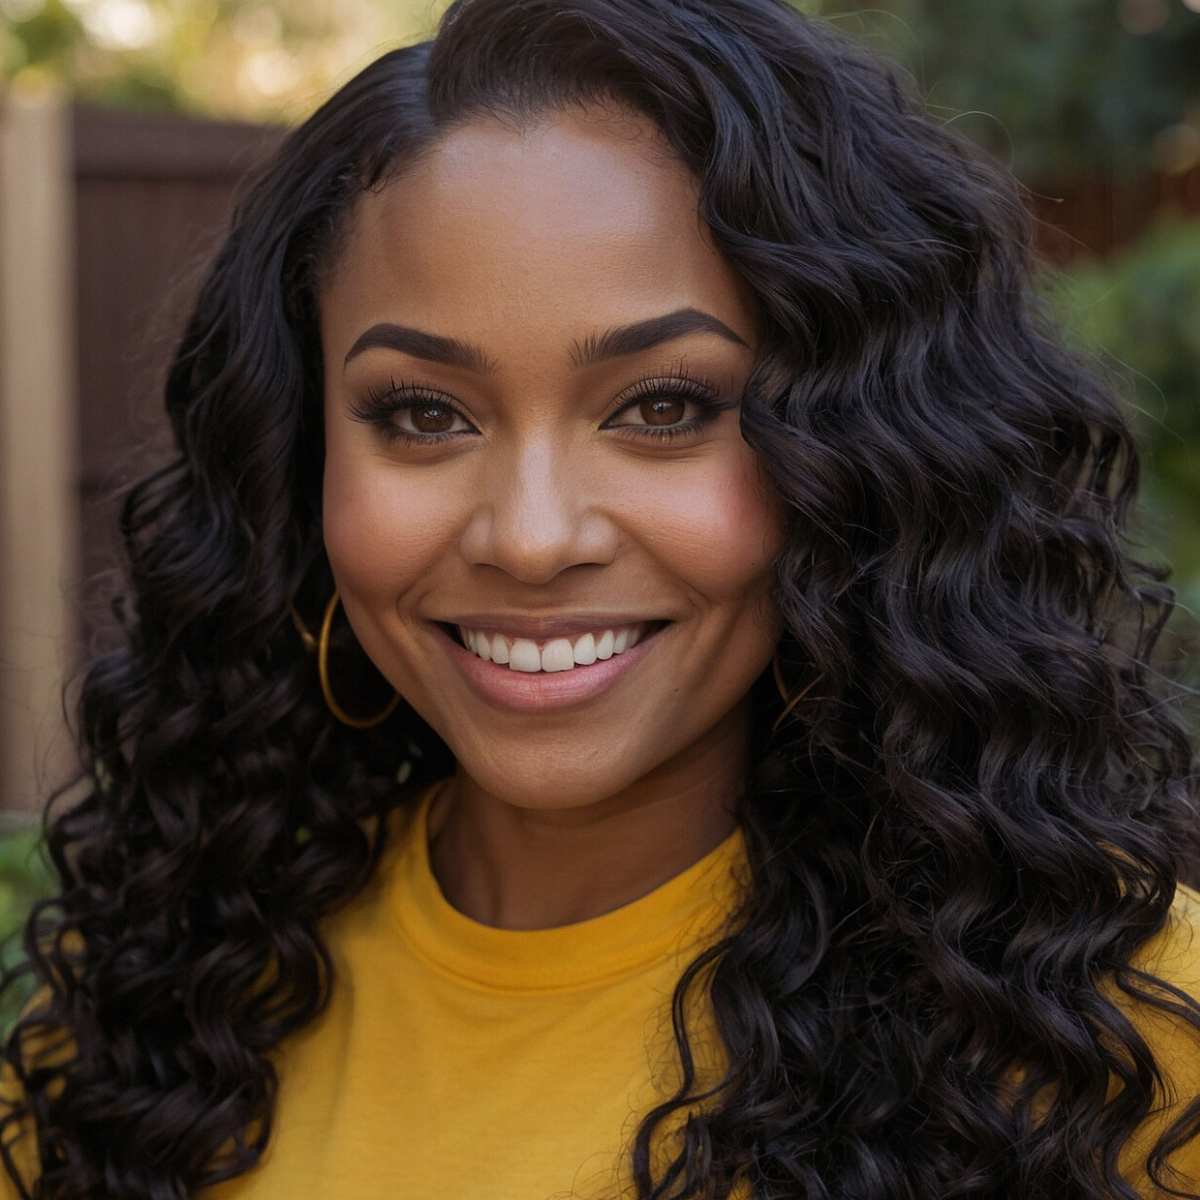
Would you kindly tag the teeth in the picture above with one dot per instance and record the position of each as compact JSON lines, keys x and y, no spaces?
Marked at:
{"x":524,"y":656}
{"x":557,"y":654}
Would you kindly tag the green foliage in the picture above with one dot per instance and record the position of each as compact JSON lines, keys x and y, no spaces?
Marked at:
{"x":1140,"y":312}
{"x":25,"y":876}
{"x":44,"y":35}
{"x":1055,"y":88}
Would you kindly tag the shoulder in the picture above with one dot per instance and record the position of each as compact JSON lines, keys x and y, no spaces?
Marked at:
{"x":1173,"y":956}
{"x":36,"y":1047}
{"x":1177,"y":945}
{"x":41,"y":1043}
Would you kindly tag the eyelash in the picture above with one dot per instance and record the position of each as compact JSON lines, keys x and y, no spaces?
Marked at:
{"x":381,"y":406}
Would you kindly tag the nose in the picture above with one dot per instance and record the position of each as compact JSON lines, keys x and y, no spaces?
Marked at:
{"x":539,"y":511}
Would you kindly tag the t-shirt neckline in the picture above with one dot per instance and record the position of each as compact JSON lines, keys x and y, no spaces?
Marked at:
{"x":674,"y":916}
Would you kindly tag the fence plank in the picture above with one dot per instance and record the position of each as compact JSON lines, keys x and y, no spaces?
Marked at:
{"x":38,"y":511}
{"x":153,"y":194}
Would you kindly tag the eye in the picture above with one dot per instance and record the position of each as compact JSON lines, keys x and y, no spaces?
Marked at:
{"x":405,"y":413}
{"x":661,"y":408}
{"x":662,"y":404}
{"x":431,"y":417}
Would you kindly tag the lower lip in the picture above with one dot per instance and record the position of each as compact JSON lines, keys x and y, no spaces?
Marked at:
{"x":539,"y":691}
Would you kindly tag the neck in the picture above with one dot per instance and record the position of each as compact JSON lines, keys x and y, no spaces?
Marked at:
{"x":513,"y":866}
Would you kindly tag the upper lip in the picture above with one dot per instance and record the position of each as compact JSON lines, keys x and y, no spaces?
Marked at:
{"x":541,"y":627}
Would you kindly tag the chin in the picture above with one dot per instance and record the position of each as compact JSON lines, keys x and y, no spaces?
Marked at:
{"x":549,"y":789}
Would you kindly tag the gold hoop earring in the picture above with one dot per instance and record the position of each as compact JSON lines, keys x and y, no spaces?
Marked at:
{"x":321,"y":646}
{"x":789,"y":702}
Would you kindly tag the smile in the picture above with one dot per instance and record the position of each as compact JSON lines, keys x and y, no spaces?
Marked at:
{"x":552,"y":654}
{"x":534,"y":676}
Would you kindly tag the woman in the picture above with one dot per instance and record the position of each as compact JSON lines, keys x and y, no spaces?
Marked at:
{"x":634,"y":679}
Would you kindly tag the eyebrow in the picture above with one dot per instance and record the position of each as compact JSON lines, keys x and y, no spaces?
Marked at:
{"x":612,"y":343}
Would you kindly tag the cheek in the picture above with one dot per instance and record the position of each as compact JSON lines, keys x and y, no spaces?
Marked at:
{"x":383,"y":526}
{"x":718,"y":525}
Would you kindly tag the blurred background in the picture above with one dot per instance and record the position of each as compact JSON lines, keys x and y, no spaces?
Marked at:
{"x":125,"y":126}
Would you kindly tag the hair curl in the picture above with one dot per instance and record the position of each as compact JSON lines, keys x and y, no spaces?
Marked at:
{"x":983,"y":807}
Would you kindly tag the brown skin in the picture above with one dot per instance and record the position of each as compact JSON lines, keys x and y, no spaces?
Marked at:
{"x":524,"y":243}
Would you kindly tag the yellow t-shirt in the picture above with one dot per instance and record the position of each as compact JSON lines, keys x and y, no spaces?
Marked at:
{"x":457,"y":1059}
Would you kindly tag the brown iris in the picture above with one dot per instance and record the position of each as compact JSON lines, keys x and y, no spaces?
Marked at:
{"x":663,"y":406}
{"x":441,"y":421}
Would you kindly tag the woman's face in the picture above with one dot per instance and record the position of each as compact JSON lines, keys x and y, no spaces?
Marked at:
{"x":511,"y":480}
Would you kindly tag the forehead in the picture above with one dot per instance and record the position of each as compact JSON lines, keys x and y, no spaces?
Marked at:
{"x":579,"y":218}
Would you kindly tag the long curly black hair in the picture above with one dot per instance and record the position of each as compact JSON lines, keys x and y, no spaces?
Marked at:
{"x":976,"y":806}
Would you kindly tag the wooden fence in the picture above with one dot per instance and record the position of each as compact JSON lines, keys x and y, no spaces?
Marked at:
{"x":104,"y":217}
{"x":152,"y":194}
